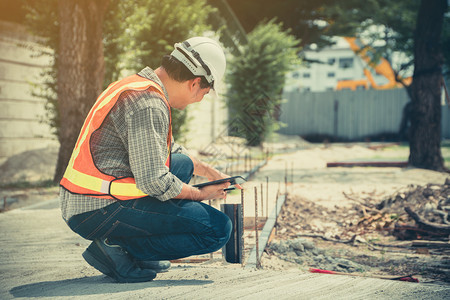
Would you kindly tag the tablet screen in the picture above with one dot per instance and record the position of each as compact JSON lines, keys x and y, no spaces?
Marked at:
{"x":232,"y":180}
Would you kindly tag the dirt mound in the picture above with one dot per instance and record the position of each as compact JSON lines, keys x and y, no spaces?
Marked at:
{"x":29,"y":166}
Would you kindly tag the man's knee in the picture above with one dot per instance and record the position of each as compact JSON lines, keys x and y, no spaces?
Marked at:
{"x":223,"y":232}
{"x":182,"y":166}
{"x":228,"y":228}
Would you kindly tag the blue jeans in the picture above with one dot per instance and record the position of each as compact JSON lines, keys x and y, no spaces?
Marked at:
{"x":150,"y":229}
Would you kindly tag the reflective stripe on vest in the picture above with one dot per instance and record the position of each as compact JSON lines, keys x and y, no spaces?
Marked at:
{"x":82,"y":176}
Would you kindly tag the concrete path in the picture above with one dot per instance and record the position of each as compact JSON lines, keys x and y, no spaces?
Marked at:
{"x":41,"y":258}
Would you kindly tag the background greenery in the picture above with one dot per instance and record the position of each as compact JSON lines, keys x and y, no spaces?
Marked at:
{"x":137,"y":33}
{"x":256,"y":79}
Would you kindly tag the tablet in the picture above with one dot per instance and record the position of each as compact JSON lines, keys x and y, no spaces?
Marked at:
{"x":232,"y":180}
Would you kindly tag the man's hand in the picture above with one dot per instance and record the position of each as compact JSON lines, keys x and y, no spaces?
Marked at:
{"x":209,"y":192}
{"x":215,"y":191}
{"x":216,"y":175}
{"x":205,"y":170}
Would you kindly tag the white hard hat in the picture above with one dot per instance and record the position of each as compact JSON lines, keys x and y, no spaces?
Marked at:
{"x":203,"y":57}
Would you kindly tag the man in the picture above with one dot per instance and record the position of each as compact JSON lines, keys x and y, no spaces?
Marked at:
{"x":126,"y":185}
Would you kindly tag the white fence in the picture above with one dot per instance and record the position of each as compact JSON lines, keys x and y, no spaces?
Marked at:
{"x":349,"y":115}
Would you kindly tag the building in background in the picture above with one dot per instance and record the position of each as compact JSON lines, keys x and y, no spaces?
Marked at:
{"x":344,"y":65}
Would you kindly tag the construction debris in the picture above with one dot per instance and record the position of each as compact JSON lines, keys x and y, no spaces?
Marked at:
{"x":417,"y":213}
{"x":412,"y":224}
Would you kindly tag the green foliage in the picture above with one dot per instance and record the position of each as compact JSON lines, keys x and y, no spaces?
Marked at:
{"x":393,"y":22}
{"x":136,"y":33}
{"x":112,"y":43}
{"x":152,"y":27}
{"x":316,"y":21}
{"x":256,"y":80}
{"x":300,"y":16}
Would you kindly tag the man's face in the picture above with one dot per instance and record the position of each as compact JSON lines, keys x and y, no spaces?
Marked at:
{"x":200,"y":93}
{"x":195,"y":93}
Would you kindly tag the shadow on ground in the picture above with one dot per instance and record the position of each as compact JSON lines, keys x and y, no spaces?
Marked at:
{"x":95,"y":285}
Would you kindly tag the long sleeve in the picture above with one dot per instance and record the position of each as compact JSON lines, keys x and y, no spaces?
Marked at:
{"x":147,"y":148}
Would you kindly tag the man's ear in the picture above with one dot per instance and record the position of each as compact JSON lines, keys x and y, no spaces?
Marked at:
{"x":196,"y":82}
{"x":190,"y":84}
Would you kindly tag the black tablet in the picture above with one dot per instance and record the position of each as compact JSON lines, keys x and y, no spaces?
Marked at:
{"x":232,"y":180}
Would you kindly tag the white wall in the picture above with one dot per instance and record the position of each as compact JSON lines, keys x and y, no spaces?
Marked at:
{"x":21,"y":113}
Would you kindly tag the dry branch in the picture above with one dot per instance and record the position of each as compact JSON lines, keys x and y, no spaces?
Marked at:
{"x":433,"y":227}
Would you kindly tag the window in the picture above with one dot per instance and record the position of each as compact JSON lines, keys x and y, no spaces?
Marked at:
{"x":306,"y":75}
{"x":331,"y":74}
{"x":295,"y":75}
{"x":331,"y":61}
{"x":346,"y":63}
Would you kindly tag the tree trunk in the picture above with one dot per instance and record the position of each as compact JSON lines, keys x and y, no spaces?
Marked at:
{"x":425,"y":136}
{"x":80,"y":69}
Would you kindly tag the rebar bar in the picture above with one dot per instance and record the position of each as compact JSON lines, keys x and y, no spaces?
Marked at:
{"x":256,"y":228}
{"x":285,"y":185}
{"x":276,"y":209}
{"x":211,"y":256}
{"x":262,"y":201}
{"x":286,"y":172}
{"x":267,"y":196}
{"x":292,"y":173}
{"x":242,"y":236}
{"x":246,"y":163}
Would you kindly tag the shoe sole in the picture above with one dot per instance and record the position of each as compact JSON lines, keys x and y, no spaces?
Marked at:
{"x":162,"y":270}
{"x":97,"y":263}
{"x":157,"y":270}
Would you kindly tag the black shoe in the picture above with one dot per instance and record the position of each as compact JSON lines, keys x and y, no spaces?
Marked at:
{"x":158,"y":266}
{"x":114,"y":262}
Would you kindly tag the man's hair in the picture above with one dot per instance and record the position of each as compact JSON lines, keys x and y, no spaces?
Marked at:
{"x":178,"y":71}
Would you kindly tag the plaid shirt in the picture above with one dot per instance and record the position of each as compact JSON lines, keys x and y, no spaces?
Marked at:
{"x":131,"y":142}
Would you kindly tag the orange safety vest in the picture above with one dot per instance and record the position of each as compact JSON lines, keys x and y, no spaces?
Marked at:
{"x":82,"y":176}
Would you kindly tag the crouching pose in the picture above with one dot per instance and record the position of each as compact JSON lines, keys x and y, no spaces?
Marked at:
{"x":126,"y":186}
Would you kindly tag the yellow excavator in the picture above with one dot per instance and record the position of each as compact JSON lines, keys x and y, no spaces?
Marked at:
{"x":383,"y":67}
